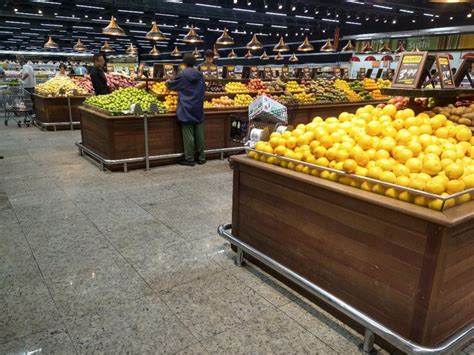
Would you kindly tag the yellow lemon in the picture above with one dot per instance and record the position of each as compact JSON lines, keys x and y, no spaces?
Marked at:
{"x":405,"y":196}
{"x":462,"y":199}
{"x":434,"y":187}
{"x":280,"y":150}
{"x":420,"y":201}
{"x":435,"y":204}
{"x":401,"y":170}
{"x":442,"y":132}
{"x":322,"y":161}
{"x":404,"y":155}
{"x":349,"y":166}
{"x":326,"y":141}
{"x":382,"y":154}
{"x":391,"y":192}
{"x":463,"y":134}
{"x":425,"y":140}
{"x":319,"y":151}
{"x":362,"y":158}
{"x":414,"y":164}
{"x":454,"y":186}
{"x":398,"y":124}
{"x":374,"y":172}
{"x":389,"y":110}
{"x":291,"y":142}
{"x":367,"y":186}
{"x":379,"y":189}
{"x":374,"y":128}
{"x":417,"y":184}
{"x":324,"y":174}
{"x":431,"y":167}
{"x":402,"y":180}
{"x":342,"y":155}
{"x":388,"y":176}
{"x":433,"y":149}
{"x":454,"y":171}
{"x":415,"y":147}
{"x":468,"y":181}
{"x":315,"y":172}
{"x":384,"y":164}
{"x":297,"y":132}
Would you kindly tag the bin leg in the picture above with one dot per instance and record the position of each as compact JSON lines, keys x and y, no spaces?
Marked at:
{"x":239,"y":259}
{"x":368,"y":344}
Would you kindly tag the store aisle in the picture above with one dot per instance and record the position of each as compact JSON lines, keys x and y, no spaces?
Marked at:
{"x":111,"y":263}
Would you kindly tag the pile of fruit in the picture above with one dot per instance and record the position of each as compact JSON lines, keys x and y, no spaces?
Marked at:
{"x":214,"y":87}
{"x":236,"y":87}
{"x":118,"y":81}
{"x":284,"y":99}
{"x":383,"y":83}
{"x":365,"y":95}
{"x":377,"y":95}
{"x":84,"y":82}
{"x":343,"y":86}
{"x":305,"y":98}
{"x":462,"y":114}
{"x":293,"y":86}
{"x":171,"y":102}
{"x":393,"y":146}
{"x":120,"y":100}
{"x":258,"y":86}
{"x":242,"y":100}
{"x":59,"y":86}
{"x":400,"y":102}
{"x":223,"y":101}
{"x":160,"y":88}
{"x":275,"y":86}
{"x":356,"y":85}
{"x":369,"y":84}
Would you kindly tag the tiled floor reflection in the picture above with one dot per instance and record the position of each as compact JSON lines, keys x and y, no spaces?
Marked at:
{"x":102,"y":263}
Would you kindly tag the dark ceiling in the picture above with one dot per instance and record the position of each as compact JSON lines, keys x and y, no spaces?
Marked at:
{"x":26,"y":24}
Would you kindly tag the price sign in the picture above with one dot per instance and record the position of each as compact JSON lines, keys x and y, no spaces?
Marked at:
{"x":285,"y":72}
{"x":168,"y":71}
{"x":213,"y":71}
{"x":410,"y":70}
{"x":268,"y":74}
{"x":253,"y":72}
{"x":228,"y":72}
{"x":307,"y":73}
{"x":464,"y":71}
{"x":444,"y":71}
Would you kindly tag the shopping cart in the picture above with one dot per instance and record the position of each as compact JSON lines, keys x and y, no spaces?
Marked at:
{"x":16,"y":105}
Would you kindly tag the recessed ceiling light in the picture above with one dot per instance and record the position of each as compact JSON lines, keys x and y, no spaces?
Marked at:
{"x":450,"y":17}
{"x":40,"y":12}
{"x":293,"y":8}
{"x":15,"y":10}
{"x":469,"y":15}
{"x":280,"y":6}
{"x":413,"y":20}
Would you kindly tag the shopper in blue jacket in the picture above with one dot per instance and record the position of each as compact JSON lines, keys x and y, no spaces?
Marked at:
{"x":190,"y":86}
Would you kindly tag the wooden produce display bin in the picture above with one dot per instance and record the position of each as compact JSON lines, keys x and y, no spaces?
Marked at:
{"x":57,"y":112}
{"x":408,"y":267}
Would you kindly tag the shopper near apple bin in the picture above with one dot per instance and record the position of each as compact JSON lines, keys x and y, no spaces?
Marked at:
{"x":190,"y":86}
{"x":99,"y":81}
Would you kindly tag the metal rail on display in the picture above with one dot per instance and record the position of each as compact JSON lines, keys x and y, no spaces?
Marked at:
{"x":104,"y":163}
{"x":372,"y":327}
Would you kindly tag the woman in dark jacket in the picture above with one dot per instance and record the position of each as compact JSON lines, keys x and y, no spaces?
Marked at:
{"x":190,"y":86}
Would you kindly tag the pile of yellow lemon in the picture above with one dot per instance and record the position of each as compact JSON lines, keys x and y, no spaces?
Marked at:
{"x":386,"y":144}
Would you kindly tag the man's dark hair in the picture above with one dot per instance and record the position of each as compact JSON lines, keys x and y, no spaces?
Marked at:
{"x":209,"y":54}
{"x":189,"y":60}
{"x":97,"y":56}
{"x":62,"y":65}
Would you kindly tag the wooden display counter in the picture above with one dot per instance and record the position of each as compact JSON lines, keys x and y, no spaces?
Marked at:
{"x":112,"y":138}
{"x":57,"y":112}
{"x":408,"y":267}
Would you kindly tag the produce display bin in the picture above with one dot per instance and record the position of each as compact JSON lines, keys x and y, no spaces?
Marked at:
{"x":405,"y":266}
{"x":118,"y":142}
{"x":54,"y":113}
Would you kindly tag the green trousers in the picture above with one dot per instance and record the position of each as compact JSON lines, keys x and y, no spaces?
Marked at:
{"x":193,"y":141}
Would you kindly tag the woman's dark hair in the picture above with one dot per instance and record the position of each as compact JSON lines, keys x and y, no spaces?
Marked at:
{"x":63,"y":66}
{"x":209,"y":54}
{"x":189,"y":60}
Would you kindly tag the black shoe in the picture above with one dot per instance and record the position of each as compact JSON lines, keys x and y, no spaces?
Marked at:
{"x":185,"y":162}
{"x":201,"y":162}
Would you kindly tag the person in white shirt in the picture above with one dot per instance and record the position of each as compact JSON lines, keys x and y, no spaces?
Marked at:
{"x":28,"y":76}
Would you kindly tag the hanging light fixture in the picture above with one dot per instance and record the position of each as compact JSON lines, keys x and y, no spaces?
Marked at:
{"x":113,"y":28}
{"x":225,"y":39}
{"x":175,"y":52}
{"x":264,"y":56}
{"x":192,"y":37}
{"x":293,"y":58}
{"x":106,"y":48}
{"x":400,"y":48}
{"x":232,"y":54}
{"x":328,"y":47}
{"x":348,"y":47}
{"x":281,"y":46}
{"x":132,"y":50}
{"x":79,"y":46}
{"x":155,"y":34}
{"x":279,"y":56}
{"x":254,"y":44}
{"x":50,"y":44}
{"x":367,"y":48}
{"x":306,"y":46}
{"x":196,"y":53}
{"x":385,"y":48}
{"x":154,"y":51}
{"x":248,"y":55}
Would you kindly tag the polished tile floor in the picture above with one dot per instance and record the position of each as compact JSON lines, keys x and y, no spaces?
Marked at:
{"x":114,"y":263}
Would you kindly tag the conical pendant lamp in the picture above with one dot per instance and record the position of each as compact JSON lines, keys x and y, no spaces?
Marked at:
{"x":254,"y":44}
{"x":279,"y":56}
{"x":293,"y":58}
{"x":175,"y":52}
{"x":281,"y":46}
{"x":348,"y":47}
{"x":106,"y":48}
{"x":154,"y":51}
{"x":385,"y":49}
{"x":155,"y":34}
{"x":232,"y":54}
{"x":400,"y":48}
{"x":264,"y":56}
{"x":306,"y":46}
{"x":50,"y":44}
{"x":113,"y":28}
{"x":131,"y":49}
{"x":328,"y":47}
{"x":192,"y":37}
{"x":248,"y":55}
{"x":79,"y":46}
{"x":225,"y":39}
{"x":367,"y":48}
{"x":196,"y":53}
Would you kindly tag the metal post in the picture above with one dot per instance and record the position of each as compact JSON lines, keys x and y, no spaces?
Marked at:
{"x":368,"y":344}
{"x":125,"y":167}
{"x":147,"y":157}
{"x":222,"y":155}
{"x":239,"y":259}
{"x":70,"y":113}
